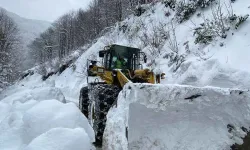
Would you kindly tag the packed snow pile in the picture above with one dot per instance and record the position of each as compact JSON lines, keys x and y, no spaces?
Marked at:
{"x":31,"y":94}
{"x":35,"y":116}
{"x":172,"y":117}
{"x":61,"y":139}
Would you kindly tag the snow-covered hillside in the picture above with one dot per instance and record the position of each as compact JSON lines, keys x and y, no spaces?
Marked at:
{"x":29,"y":29}
{"x":192,"y":125}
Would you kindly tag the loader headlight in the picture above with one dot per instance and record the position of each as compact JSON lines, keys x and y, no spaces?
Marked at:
{"x":100,"y":70}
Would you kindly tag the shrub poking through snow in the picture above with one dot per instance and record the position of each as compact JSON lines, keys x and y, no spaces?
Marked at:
{"x":236,"y":21}
{"x":240,"y":20}
{"x":74,"y":67}
{"x":140,"y":9}
{"x":203,"y":3}
{"x":204,"y":34}
{"x":175,"y":60}
{"x":218,"y":26}
{"x":211,"y":28}
{"x":27,"y":73}
{"x":184,"y":11}
{"x":167,"y":14}
{"x":123,"y":27}
{"x":169,"y":3}
{"x":45,"y":77}
{"x":155,"y":39}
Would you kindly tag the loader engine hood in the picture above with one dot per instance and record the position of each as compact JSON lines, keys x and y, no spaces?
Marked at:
{"x":175,"y":117}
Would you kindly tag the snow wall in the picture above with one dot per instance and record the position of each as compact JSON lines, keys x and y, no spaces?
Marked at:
{"x":175,"y":117}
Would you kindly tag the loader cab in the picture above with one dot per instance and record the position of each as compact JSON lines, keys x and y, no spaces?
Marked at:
{"x":131,"y":57}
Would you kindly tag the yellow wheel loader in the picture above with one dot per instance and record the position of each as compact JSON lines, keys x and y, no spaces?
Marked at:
{"x":119,"y":65}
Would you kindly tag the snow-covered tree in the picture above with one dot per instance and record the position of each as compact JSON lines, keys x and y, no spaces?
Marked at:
{"x":8,"y":48}
{"x":75,"y":29}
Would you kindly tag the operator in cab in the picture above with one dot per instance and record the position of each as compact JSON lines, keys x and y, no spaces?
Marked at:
{"x":120,"y":63}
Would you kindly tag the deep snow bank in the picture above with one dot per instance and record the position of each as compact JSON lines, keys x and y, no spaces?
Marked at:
{"x":177,"y":117}
{"x":34,"y":122}
{"x":69,"y":139}
{"x":52,"y":114}
{"x":35,"y":116}
{"x":38,"y":94}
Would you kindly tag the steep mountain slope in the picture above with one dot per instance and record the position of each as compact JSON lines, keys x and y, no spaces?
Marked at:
{"x":29,"y":29}
{"x":222,"y":62}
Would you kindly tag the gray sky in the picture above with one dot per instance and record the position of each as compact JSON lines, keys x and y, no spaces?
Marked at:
{"x":42,"y":9}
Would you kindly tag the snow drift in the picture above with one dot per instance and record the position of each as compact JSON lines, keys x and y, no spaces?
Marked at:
{"x":52,"y":114}
{"x":35,"y":116}
{"x":61,"y":139}
{"x":177,"y":117}
{"x":43,"y":93}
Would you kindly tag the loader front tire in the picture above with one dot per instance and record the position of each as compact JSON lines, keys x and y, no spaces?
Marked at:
{"x":84,"y":101}
{"x":102,"y":99}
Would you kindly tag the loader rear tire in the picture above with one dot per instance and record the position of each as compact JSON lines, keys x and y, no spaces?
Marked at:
{"x":102,"y":99}
{"x":84,"y":101}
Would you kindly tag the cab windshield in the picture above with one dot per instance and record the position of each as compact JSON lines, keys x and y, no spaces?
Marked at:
{"x":121,"y":57}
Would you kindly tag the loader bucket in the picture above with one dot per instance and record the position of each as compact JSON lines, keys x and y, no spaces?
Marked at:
{"x":176,"y":117}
